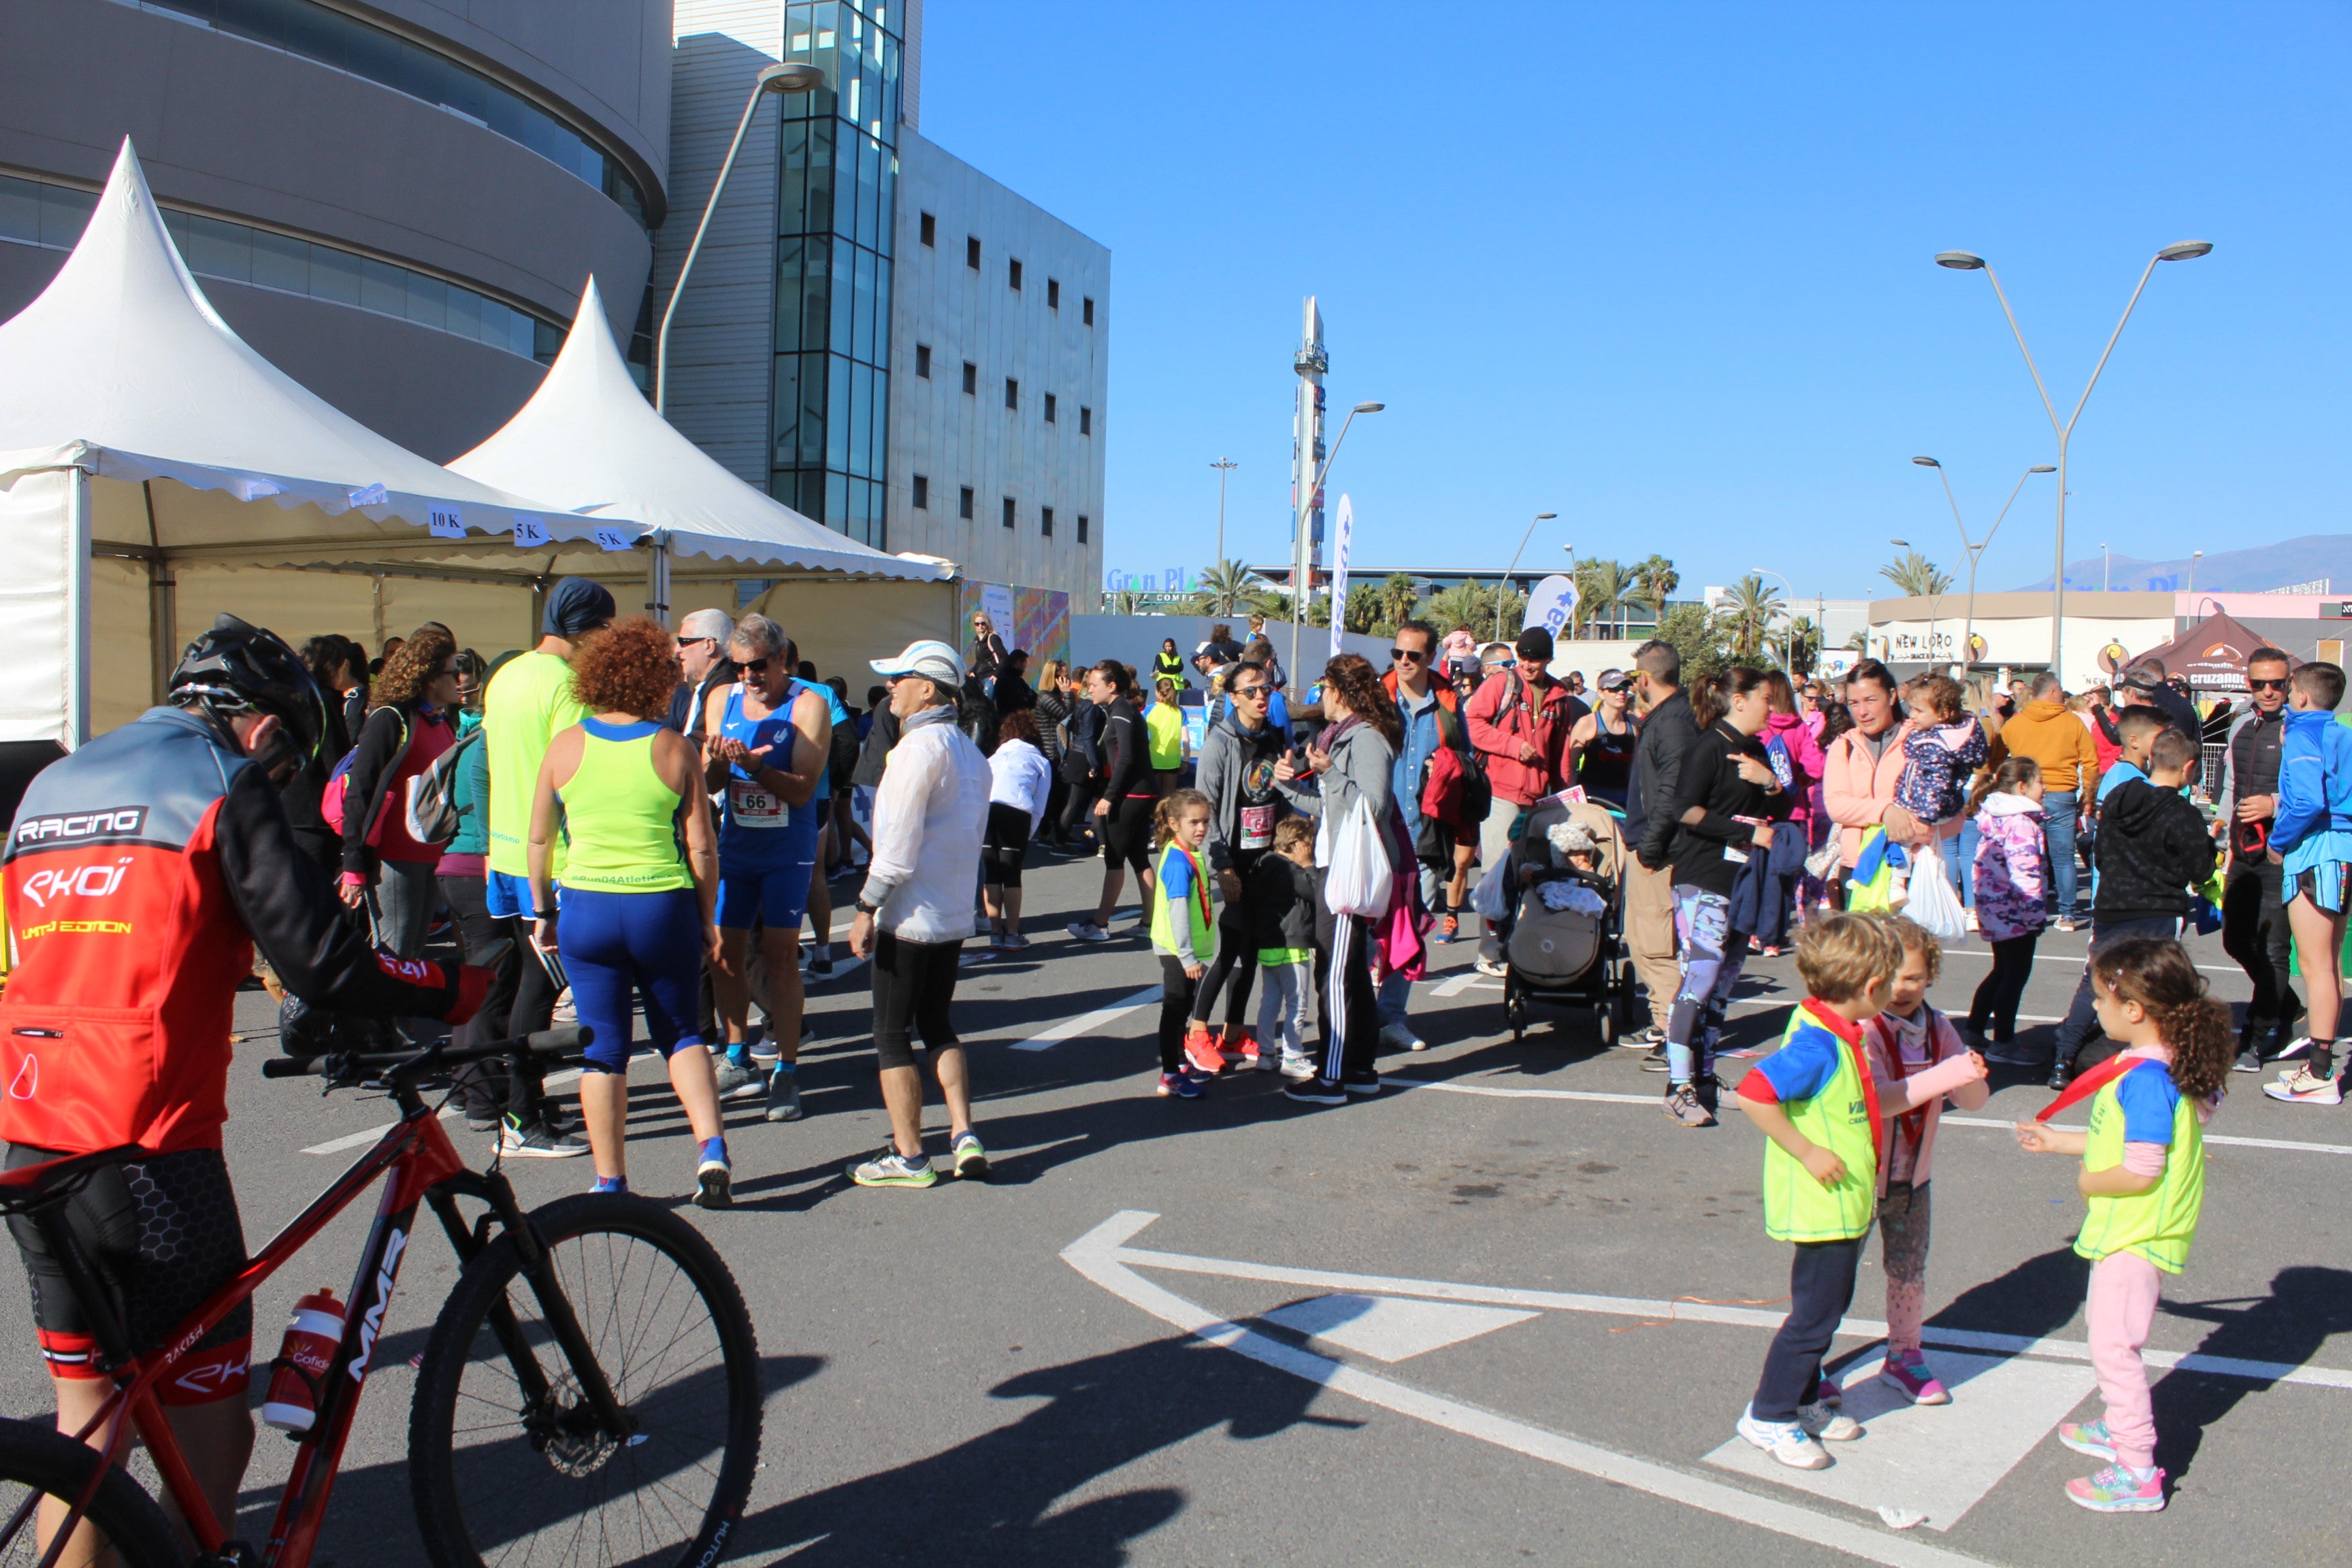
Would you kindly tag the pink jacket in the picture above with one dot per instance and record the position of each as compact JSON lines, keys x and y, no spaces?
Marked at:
{"x":1899,"y":1096}
{"x":1857,"y":793}
{"x":1805,"y":752}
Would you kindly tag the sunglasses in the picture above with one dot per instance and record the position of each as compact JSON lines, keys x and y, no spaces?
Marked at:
{"x":754,"y":666}
{"x":2265,"y":684}
{"x":1407,"y":656}
{"x":1248,"y":693}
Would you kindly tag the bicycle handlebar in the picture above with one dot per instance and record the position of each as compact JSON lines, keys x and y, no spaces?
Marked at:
{"x":545,"y":1043}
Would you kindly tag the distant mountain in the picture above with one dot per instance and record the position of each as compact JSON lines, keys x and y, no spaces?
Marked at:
{"x":2314,"y":559}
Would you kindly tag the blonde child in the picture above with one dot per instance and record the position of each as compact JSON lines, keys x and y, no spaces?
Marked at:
{"x":1184,"y":928}
{"x":1282,"y":925}
{"x":1917,"y":1058}
{"x":2012,"y":870}
{"x":1816,"y":1102}
{"x":1941,"y":748}
{"x":2144,"y":1175}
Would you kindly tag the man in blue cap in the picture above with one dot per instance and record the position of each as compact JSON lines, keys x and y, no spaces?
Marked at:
{"x":527,"y":702}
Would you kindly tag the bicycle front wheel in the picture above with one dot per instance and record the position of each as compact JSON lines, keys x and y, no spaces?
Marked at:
{"x":38,"y":1464}
{"x":510,"y":1464}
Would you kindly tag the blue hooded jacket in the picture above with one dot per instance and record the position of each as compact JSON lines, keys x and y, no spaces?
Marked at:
{"x":2314,"y":785}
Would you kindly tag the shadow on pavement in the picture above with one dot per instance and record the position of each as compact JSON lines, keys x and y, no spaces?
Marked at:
{"x":2305,"y":1306}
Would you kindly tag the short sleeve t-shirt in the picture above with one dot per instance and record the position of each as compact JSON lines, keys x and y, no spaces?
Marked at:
{"x":528,"y":703}
{"x":2149,"y":1099}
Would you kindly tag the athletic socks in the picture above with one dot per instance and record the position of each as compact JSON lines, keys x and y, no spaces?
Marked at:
{"x":611,"y":1184}
{"x":740,"y":1053}
{"x":714,"y":1148}
{"x":2323,"y":1057}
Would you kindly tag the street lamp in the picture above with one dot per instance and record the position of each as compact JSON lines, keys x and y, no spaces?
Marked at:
{"x":1934,"y":605}
{"x":1963,"y":261}
{"x":1299,"y":541}
{"x":1786,"y":667}
{"x":2194,"y":557}
{"x":1223,"y":466}
{"x":2106,"y":569}
{"x":790,"y":76}
{"x":1500,"y":588}
{"x":1976,"y":551}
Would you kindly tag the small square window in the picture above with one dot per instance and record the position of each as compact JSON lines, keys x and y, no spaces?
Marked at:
{"x":1012,"y":393}
{"x":1086,"y":420}
{"x":1009,"y":512}
{"x":1052,"y":293}
{"x":971,"y":252}
{"x":971,"y":379}
{"x":930,"y":230}
{"x":922,"y":493}
{"x":1013,"y":274}
{"x":1088,"y":313}
{"x":1082,"y":528}
{"x":965,"y":510}
{"x":923,"y":361}
{"x":1049,"y":409}
{"x":1046,"y":521}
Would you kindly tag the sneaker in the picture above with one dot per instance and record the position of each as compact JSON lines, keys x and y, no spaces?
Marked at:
{"x":820,"y":962}
{"x":1656,"y":1060}
{"x":1398,"y":1037}
{"x":1181,"y":1084}
{"x":2062,"y":924}
{"x":1242,"y":1049}
{"x":970,"y":1159}
{"x":2062,"y":1073}
{"x":1087,"y":931}
{"x":1489,"y":968}
{"x":1317,"y":1091}
{"x":532,"y":1140}
{"x":1823,"y":1422}
{"x":1013,"y":941}
{"x":888,"y":1168}
{"x":1449,"y":926}
{"x":714,"y":1190}
{"x":736,"y":1081}
{"x":1296,"y":1068}
{"x":2250,"y":1059}
{"x":1827,"y":1391}
{"x":1683,"y":1107}
{"x":2306,"y":1087}
{"x":1784,"y":1440}
{"x":783,"y":1096}
{"x":764,"y":1049}
{"x":1709,"y":1090}
{"x":2090,"y":1437}
{"x":2117,"y":1491}
{"x":1642,"y":1039}
{"x":1917,"y":1384}
{"x":2012,"y":1054}
{"x":1202,"y":1051}
{"x":1363,"y":1083}
{"x":481,"y":1121}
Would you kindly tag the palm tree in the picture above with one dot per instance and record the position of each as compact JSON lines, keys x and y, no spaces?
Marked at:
{"x":1917,"y":577}
{"x":1801,"y":645}
{"x":1472,"y":604}
{"x":1126,"y":602}
{"x":1657,"y":578}
{"x":1603,"y":589}
{"x":1399,"y":595}
{"x":1227,"y":589}
{"x":1753,"y":606}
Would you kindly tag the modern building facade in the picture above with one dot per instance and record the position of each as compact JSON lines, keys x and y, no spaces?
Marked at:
{"x":889,"y":341}
{"x":397,"y":203}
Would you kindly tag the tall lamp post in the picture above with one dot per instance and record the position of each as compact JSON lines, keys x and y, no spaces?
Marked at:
{"x":1964,"y":261}
{"x":790,"y":76}
{"x":1976,"y":551}
{"x":2194,"y":557}
{"x":1223,"y":466}
{"x":1934,"y":606}
{"x":1787,"y":666}
{"x":1504,"y":586}
{"x":1299,"y":541}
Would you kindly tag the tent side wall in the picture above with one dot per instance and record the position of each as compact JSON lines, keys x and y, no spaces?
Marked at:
{"x":44,"y":607}
{"x":840,"y":627}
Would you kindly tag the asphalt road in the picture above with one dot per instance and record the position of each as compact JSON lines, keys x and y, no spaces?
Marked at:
{"x":1506,"y":1316}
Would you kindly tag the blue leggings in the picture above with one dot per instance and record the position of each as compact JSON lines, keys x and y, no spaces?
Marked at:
{"x":1712,"y":957}
{"x":651,"y":943}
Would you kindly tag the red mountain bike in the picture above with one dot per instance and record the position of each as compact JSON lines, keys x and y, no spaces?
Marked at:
{"x":590,"y":1394}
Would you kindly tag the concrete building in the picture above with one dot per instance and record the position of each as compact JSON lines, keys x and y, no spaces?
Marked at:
{"x":882,"y":337}
{"x":396,"y":203}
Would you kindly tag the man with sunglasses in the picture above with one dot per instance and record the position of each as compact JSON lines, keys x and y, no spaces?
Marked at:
{"x":2253,"y":921}
{"x":702,"y":661}
{"x":1520,"y":723}
{"x":1433,"y":723}
{"x":1236,"y":771}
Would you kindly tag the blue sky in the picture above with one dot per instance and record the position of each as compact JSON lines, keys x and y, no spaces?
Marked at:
{"x":1666,"y":270}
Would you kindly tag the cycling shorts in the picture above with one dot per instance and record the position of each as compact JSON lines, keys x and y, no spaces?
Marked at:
{"x":1127,"y":832}
{"x":161,"y":1233}
{"x":777,"y":895}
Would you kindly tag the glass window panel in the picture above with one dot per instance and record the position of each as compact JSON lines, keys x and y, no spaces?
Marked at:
{"x":428,"y":300}
{"x":791,"y":197}
{"x":861,"y":323}
{"x":220,"y":249}
{"x":816,"y":294}
{"x":837,"y":414}
{"x":882,"y":315}
{"x":812,"y":415}
{"x":869,"y":191}
{"x":836,"y":502}
{"x":20,"y":210}
{"x":384,"y":287}
{"x":547,"y":340}
{"x":889,"y":197}
{"x":787,"y":403}
{"x":280,"y":262}
{"x":465,"y":308}
{"x":861,"y":419}
{"x":65,"y":214}
{"x":812,"y":502}
{"x":844,"y":299}
{"x":335,"y":275}
{"x":175,"y":224}
{"x":819,"y":218}
{"x":881,"y":467}
{"x":787,"y":295}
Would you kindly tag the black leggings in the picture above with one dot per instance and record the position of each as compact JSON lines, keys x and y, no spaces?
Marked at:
{"x":1232,"y":972}
{"x":1081,"y":806}
{"x":1993,"y":1012}
{"x":914,"y":988}
{"x":1176,"y":989}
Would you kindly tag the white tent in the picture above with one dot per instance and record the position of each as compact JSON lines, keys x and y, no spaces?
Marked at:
{"x":149,"y":459}
{"x":589,"y":441}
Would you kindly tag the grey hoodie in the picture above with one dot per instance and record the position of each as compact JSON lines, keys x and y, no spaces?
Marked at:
{"x":1362,"y":765}
{"x":1229,"y":754}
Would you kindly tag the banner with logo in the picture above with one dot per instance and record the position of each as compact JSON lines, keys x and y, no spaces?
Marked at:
{"x":1343,"y":535}
{"x":1551,"y":607}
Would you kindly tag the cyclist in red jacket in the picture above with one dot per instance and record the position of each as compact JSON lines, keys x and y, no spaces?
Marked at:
{"x":142,"y":872}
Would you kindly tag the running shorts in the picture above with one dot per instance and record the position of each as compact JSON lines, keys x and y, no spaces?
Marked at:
{"x":1005,"y":846}
{"x":778,"y":895}
{"x":1127,"y":832}
{"x":2323,"y":882}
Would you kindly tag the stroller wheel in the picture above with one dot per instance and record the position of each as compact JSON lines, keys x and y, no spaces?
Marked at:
{"x":1606,"y":1013}
{"x":1515,"y":1012}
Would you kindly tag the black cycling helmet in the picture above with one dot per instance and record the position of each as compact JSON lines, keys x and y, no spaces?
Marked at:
{"x":240,"y":668}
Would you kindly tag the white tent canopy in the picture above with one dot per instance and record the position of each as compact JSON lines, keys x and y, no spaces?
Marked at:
{"x":146,"y":451}
{"x":590,"y":442}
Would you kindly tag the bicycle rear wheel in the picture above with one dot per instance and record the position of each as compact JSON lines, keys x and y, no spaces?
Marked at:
{"x":502,"y":1476}
{"x":37,"y":1461}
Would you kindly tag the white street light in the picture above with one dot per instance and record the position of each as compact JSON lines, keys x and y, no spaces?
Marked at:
{"x":1501,"y":586}
{"x":1299,"y":541}
{"x":1976,"y":551}
{"x":2194,"y":557}
{"x":1223,"y":466}
{"x":1964,"y":261}
{"x":790,"y":76}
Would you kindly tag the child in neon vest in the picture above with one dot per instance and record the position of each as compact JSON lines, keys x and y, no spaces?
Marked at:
{"x":1183,"y":930}
{"x":1816,"y":1102}
{"x":2143,"y":1174}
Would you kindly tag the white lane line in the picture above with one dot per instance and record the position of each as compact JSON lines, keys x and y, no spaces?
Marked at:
{"x":2077,"y":961}
{"x":1468,"y":980}
{"x":1704,"y":1312}
{"x":1099,"y":1256}
{"x":1495,"y":1092}
{"x":1088,"y":1023}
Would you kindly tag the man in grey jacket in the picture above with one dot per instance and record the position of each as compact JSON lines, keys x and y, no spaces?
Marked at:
{"x":1669,"y":729}
{"x":1236,"y":771}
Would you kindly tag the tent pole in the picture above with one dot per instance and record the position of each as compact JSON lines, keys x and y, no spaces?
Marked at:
{"x":163,"y":606}
{"x":658,"y":579}
{"x":77,"y":714}
{"x":376,"y":583}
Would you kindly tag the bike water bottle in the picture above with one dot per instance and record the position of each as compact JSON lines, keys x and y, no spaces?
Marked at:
{"x":312,"y":1335}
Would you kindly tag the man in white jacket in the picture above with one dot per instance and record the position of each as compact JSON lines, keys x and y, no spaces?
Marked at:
{"x":915,"y":911}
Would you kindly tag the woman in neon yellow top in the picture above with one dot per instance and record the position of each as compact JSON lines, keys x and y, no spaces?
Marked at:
{"x":2144,"y":1175}
{"x":637,"y":913}
{"x":1164,"y":729}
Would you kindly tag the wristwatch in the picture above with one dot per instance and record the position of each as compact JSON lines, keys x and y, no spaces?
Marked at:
{"x":865,"y":909}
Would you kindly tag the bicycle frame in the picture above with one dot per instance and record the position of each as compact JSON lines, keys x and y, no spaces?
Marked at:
{"x":420,"y":1161}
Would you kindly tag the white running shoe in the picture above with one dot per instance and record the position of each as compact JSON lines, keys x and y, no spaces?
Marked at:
{"x":1785,"y":1441}
{"x":1829,"y":1425}
{"x":1087,"y":931}
{"x":1398,"y":1037}
{"x":2306,"y":1087}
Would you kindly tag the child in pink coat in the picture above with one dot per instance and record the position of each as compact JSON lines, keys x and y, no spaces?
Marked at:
{"x":1916,"y":1058}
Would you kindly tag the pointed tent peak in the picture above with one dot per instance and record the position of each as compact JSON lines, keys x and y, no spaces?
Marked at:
{"x":125,"y":251}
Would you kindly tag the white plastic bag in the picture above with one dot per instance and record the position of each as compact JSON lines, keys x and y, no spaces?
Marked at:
{"x":1358,"y":880}
{"x":1491,"y":899}
{"x":1933,"y":905}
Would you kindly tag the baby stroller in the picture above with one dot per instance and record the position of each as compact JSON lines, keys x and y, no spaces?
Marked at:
{"x":1573,"y":956}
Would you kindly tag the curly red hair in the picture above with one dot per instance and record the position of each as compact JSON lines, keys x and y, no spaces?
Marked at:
{"x":630,"y":666}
